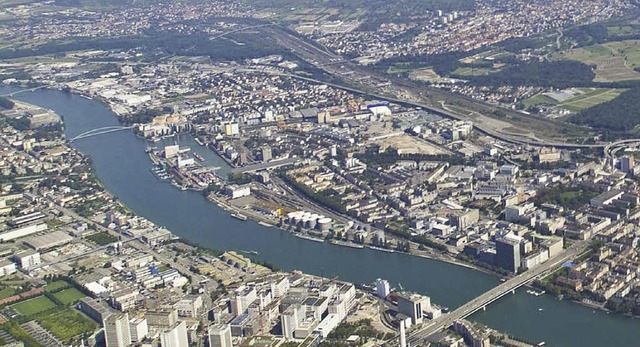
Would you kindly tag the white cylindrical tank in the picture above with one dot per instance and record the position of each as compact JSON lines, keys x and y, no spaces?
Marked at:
{"x":311,"y":223}
{"x":324,"y":224}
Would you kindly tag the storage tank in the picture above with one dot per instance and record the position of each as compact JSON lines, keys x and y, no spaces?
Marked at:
{"x":311,"y":224}
{"x":324,"y":224}
{"x":297,"y":219}
{"x":290,"y":217}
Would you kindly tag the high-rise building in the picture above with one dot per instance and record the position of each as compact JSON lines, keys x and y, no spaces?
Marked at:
{"x":291,"y":318}
{"x":333,"y":150}
{"x":626,"y":164}
{"x":412,"y":306}
{"x":266,"y":153}
{"x":508,"y":252}
{"x":243,"y":297}
{"x":382,"y":288}
{"x":139,"y":329}
{"x":175,"y":336}
{"x":116,"y":330}
{"x":220,"y":335}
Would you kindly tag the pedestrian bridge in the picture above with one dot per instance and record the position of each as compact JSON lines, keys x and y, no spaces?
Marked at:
{"x":99,"y":131}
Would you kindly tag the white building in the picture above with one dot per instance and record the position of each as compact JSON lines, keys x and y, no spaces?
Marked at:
{"x":176,"y":336}
{"x":382,"y":288}
{"x":28,"y":259}
{"x":116,"y":330}
{"x":243,"y":297}
{"x":291,"y":319}
{"x":22,"y":232}
{"x":7,"y":267}
{"x":139,"y":329}
{"x":171,"y":151}
{"x":231,"y":129}
{"x":220,"y":335}
{"x":189,"y":306}
{"x":235,"y":191}
{"x":280,"y":288}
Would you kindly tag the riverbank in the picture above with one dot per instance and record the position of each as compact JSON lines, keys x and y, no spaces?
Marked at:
{"x":192,"y":217}
{"x":261,"y":218}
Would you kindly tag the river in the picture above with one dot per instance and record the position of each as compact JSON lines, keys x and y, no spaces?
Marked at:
{"x":123,"y":167}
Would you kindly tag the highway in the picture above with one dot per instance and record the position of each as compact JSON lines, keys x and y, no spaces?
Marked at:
{"x":611,"y":149}
{"x":405,"y":92}
{"x":494,"y":294}
{"x":268,"y":165}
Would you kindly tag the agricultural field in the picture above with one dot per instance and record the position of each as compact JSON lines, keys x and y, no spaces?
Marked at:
{"x":614,"y":61}
{"x":621,"y":30}
{"x":68,"y":323}
{"x":69,"y":296}
{"x":590,"y":99}
{"x":34,"y":306}
{"x":581,"y":99}
{"x":473,"y":71}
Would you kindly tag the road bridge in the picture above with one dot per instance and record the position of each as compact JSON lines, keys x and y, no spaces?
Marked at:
{"x":509,"y":286}
{"x":613,"y":147}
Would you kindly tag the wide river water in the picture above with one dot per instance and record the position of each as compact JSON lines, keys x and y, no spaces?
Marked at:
{"x":123,"y":167}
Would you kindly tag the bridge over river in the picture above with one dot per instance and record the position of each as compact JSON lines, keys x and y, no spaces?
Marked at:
{"x":509,"y":286}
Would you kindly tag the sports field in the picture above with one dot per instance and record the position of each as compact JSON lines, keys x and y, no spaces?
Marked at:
{"x":539,"y":99}
{"x":69,"y":296}
{"x":34,"y":306}
{"x":56,"y":286}
{"x":614,"y":61}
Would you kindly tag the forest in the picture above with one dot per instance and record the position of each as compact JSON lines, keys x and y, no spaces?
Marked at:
{"x":619,"y":114}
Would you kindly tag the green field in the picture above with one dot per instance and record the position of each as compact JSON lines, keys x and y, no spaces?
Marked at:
{"x":34,"y":306}
{"x":621,"y":30}
{"x":473,"y":71}
{"x":56,"y":286}
{"x":101,"y":238}
{"x":539,"y":99}
{"x":69,"y":296}
{"x":7,"y":292}
{"x":591,"y":98}
{"x":614,"y":61}
{"x":68,"y":323}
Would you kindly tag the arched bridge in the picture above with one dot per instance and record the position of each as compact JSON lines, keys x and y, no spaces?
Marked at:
{"x":23,"y":91}
{"x":99,"y":131}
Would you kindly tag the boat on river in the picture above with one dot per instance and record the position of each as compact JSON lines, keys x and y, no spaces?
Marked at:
{"x":381,"y":249}
{"x":347,"y":244}
{"x":239,"y":216}
{"x":309,"y":237}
